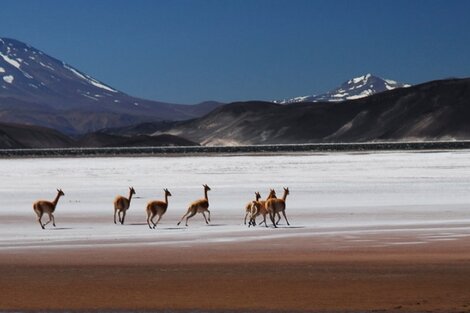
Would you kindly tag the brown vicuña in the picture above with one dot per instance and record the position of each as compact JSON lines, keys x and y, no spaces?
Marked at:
{"x":157,"y":207}
{"x":121,"y":205}
{"x":276,"y":206}
{"x":42,"y":207}
{"x":259,"y":208}
{"x":249,"y":204}
{"x":198,"y":206}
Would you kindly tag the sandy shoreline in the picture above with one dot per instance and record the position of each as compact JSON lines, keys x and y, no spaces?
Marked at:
{"x":287,"y":274}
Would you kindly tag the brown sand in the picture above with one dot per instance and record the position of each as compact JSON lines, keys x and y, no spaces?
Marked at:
{"x":289,"y":274}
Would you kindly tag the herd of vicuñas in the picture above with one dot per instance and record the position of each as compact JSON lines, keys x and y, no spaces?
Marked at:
{"x":272,"y":207}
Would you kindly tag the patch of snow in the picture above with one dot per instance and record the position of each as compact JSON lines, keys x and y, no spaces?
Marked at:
{"x":294,"y":100}
{"x":2,"y":70}
{"x":75,"y":72}
{"x":100,"y":85}
{"x":359,"y":79}
{"x":89,"y":79}
{"x":10,"y":61}
{"x":33,"y":85}
{"x":363,"y":94}
{"x":27,"y":75}
{"x":333,"y":100}
{"x":46,"y":66}
{"x":9,"y":79}
{"x":89,"y":97}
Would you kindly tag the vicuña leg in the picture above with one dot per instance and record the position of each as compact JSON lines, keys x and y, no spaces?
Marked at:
{"x":149,"y":220}
{"x":204,"y":214}
{"x":123,"y":217}
{"x":53,"y":219}
{"x":184,"y":217}
{"x":158,"y":220}
{"x":272,"y":217}
{"x":189,"y":216}
{"x":246,"y":216}
{"x":40,"y":222}
{"x":284,"y":214}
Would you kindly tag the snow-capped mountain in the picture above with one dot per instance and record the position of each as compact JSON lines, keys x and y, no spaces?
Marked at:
{"x":36,"y":88}
{"x":27,"y":70}
{"x":356,"y":88}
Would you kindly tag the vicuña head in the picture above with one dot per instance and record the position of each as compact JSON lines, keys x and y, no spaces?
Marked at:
{"x":121,"y":205}
{"x":286,"y":192}
{"x":42,"y":207}
{"x":198,"y":206}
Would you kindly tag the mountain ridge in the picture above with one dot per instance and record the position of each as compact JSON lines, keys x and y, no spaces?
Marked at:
{"x":355,"y":88}
{"x":436,"y":110}
{"x":63,"y":96}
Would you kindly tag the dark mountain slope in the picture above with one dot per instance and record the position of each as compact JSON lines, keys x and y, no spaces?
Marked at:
{"x":106,"y":140}
{"x":14,"y":136}
{"x":434,"y":110}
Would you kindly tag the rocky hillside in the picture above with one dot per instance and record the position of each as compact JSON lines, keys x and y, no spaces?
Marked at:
{"x":437,"y":110}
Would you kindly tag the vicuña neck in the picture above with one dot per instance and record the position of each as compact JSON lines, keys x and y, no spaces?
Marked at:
{"x":284,"y":196}
{"x":56,"y":199}
{"x":205,"y":195}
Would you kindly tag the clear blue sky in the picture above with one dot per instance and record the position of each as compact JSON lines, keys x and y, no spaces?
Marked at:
{"x":185,"y":51}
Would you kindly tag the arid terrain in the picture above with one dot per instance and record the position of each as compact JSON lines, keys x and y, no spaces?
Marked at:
{"x":311,"y":274}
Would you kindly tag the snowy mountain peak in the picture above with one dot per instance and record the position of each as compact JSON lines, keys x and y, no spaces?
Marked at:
{"x":29,"y":70}
{"x":355,"y":88}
